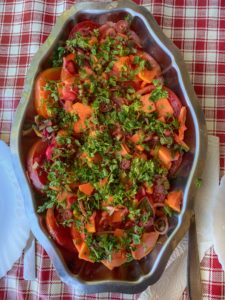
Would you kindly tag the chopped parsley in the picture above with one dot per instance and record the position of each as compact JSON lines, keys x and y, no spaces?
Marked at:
{"x":51,"y":86}
{"x":198,"y":182}
{"x":57,"y":58}
{"x":105,"y":175}
{"x":78,"y":42}
{"x":158,"y":93}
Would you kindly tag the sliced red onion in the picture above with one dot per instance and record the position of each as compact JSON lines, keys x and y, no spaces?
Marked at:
{"x":161,"y":225}
{"x":119,"y":101}
{"x":159,"y":209}
{"x":104,"y":107}
{"x":104,"y":220}
{"x":117,"y":132}
{"x":159,"y":192}
{"x":70,"y":200}
{"x":67,"y":214}
{"x":110,"y":32}
{"x":82,"y":209}
{"x":49,"y":152}
{"x":69,"y":96}
{"x":45,"y":133}
{"x":71,"y":67}
{"x":141,"y":204}
{"x":69,"y":93}
{"x":35,"y":165}
{"x":149,"y":224}
{"x":141,"y":193}
{"x":135,"y":38}
{"x":152,"y":61}
{"x":125,"y":164}
{"x":63,"y":214}
{"x":129,"y":224}
{"x":110,"y":210}
{"x":176,"y":164}
{"x":147,"y":89}
{"x":167,"y":132}
{"x":158,"y":205}
{"x":148,"y":137}
{"x":122,"y":35}
{"x":122,"y":26}
{"x":104,"y":28}
{"x":105,"y":232}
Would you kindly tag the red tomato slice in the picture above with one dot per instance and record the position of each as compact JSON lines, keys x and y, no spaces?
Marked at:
{"x":69,"y":69}
{"x":35,"y":159}
{"x":176,"y":164}
{"x":148,"y":75}
{"x":147,"y":244}
{"x":68,"y":92}
{"x":146,"y":90}
{"x":172,"y":98}
{"x":174,"y":102}
{"x":42,"y":99}
{"x":77,"y":238}
{"x":62,"y":235}
{"x":84,"y":28}
{"x":118,"y":259}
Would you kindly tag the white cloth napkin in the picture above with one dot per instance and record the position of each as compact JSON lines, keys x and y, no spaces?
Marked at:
{"x":218,"y":223}
{"x":14,"y":228}
{"x":174,"y":279}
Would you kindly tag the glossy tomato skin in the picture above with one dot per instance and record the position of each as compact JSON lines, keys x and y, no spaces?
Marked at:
{"x":42,"y":98}
{"x":35,"y":159}
{"x":174,"y":102}
{"x":176,"y":164}
{"x":172,"y":97}
{"x":62,"y":235}
{"x":84,"y":28}
{"x":69,"y":68}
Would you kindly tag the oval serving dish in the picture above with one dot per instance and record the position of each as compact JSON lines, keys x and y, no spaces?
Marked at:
{"x":135,"y":276}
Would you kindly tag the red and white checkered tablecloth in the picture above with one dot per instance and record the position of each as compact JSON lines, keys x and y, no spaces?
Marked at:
{"x":197,"y":27}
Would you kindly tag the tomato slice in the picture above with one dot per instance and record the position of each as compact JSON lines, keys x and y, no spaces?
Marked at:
{"x":147,"y":244}
{"x":62,"y":235}
{"x":172,"y":98}
{"x":174,"y":101}
{"x":43,"y":100}
{"x":136,"y":84}
{"x":84,"y":28}
{"x":35,"y":159}
{"x":69,"y":68}
{"x":77,"y":238}
{"x":148,"y":75}
{"x":118,"y":259}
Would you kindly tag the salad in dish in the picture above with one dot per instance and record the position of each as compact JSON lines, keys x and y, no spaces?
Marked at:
{"x":110,"y":137}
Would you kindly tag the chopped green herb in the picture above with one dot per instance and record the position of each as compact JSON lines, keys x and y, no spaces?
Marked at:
{"x":168,"y":210}
{"x":198,"y":182}
{"x":158,"y":93}
{"x":58,"y":54}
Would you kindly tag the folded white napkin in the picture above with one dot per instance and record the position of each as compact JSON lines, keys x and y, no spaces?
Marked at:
{"x":218,"y":223}
{"x":174,"y":279}
{"x":14,"y":229}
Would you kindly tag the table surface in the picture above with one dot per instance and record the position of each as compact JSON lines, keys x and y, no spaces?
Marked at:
{"x":196,"y":27}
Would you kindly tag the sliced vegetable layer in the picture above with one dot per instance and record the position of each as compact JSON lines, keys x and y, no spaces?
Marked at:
{"x":110,"y":136}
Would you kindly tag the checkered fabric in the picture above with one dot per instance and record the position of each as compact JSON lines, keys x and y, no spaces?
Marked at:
{"x":198,"y":30}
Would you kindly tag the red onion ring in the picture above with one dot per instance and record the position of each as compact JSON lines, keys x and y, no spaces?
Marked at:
{"x":150,"y":203}
{"x":133,"y":36}
{"x":147,"y":89}
{"x":157,"y":225}
{"x":122,"y":26}
{"x":152,"y":61}
{"x":82,"y":209}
